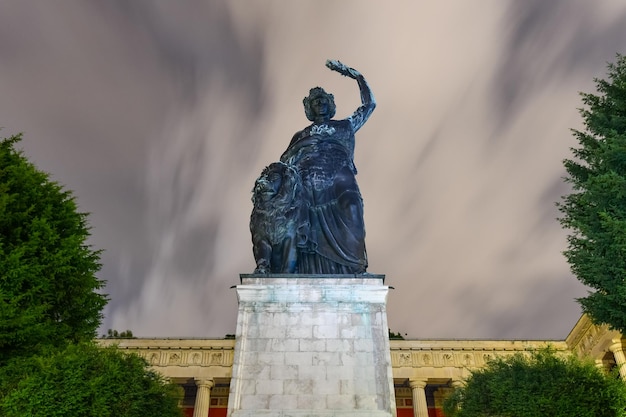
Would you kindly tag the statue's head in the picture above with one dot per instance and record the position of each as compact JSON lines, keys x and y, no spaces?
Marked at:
{"x":318,"y":93}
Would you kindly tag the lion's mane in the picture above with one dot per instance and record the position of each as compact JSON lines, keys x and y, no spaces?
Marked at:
{"x":274,"y":221}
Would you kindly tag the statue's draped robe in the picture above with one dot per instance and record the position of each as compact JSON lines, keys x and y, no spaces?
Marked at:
{"x":332,"y":238}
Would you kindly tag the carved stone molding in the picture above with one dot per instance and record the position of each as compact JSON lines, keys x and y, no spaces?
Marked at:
{"x":458,"y":354}
{"x":179,"y":352}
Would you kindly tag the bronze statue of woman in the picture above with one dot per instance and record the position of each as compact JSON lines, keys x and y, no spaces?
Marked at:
{"x":332,"y":240}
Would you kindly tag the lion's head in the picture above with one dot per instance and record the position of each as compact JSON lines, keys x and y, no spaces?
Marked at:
{"x":277,"y":186}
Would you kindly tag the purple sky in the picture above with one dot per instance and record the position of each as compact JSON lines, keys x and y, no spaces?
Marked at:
{"x":160,"y":115}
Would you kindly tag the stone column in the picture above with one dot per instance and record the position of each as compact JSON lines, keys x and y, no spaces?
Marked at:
{"x":620,"y":359}
{"x":420,"y":408}
{"x":457,"y":383}
{"x":599,"y":364}
{"x":203,"y":397}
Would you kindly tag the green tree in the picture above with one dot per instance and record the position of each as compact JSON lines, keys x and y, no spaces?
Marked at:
{"x":542,"y":384}
{"x":595,"y":211}
{"x":48,"y":286}
{"x":114,"y":334}
{"x":85,"y":380}
{"x":51,"y":307}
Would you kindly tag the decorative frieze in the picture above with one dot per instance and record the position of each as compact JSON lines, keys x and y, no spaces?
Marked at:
{"x":185,"y":353}
{"x":188,"y":358}
{"x":458,"y":353}
{"x":439,"y":358}
{"x":404,"y":353}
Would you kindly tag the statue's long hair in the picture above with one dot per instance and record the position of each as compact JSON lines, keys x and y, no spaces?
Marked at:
{"x":313,"y":94}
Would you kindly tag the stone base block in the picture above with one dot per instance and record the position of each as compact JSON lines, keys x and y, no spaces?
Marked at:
{"x":312,"y":346}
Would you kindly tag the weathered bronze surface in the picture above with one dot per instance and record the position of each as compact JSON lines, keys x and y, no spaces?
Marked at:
{"x":308,"y":210}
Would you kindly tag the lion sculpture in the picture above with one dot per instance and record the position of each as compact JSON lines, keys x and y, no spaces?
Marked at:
{"x":275,"y":219}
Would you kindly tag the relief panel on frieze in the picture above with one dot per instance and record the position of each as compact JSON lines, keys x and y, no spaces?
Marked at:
{"x":487,"y":357}
{"x":194,"y":358}
{"x":216,"y":358}
{"x":425,"y":359}
{"x":447,"y":359}
{"x":174,"y":358}
{"x":467,"y":359}
{"x":153,"y":358}
{"x":401,"y":359}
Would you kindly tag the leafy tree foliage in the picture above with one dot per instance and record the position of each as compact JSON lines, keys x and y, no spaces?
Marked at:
{"x":543,"y":384}
{"x":595,"y":211}
{"x":48,"y":286}
{"x":114,"y":334}
{"x":50,"y":309}
{"x":85,"y":380}
{"x":395,"y":336}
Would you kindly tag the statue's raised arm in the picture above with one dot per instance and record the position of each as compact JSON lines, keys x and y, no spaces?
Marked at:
{"x":368,"y":103}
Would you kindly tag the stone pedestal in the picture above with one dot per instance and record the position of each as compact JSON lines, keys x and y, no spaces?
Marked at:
{"x":312,"y":345}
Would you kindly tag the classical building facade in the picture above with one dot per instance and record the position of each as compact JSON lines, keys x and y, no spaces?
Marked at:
{"x":424,"y":371}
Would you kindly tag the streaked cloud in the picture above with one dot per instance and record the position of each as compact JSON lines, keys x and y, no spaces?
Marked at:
{"x":161,"y":115}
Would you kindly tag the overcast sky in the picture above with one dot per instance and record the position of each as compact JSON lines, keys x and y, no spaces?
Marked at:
{"x":160,"y":115}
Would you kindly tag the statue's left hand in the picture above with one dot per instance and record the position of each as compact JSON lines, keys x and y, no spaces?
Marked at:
{"x":341,"y":68}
